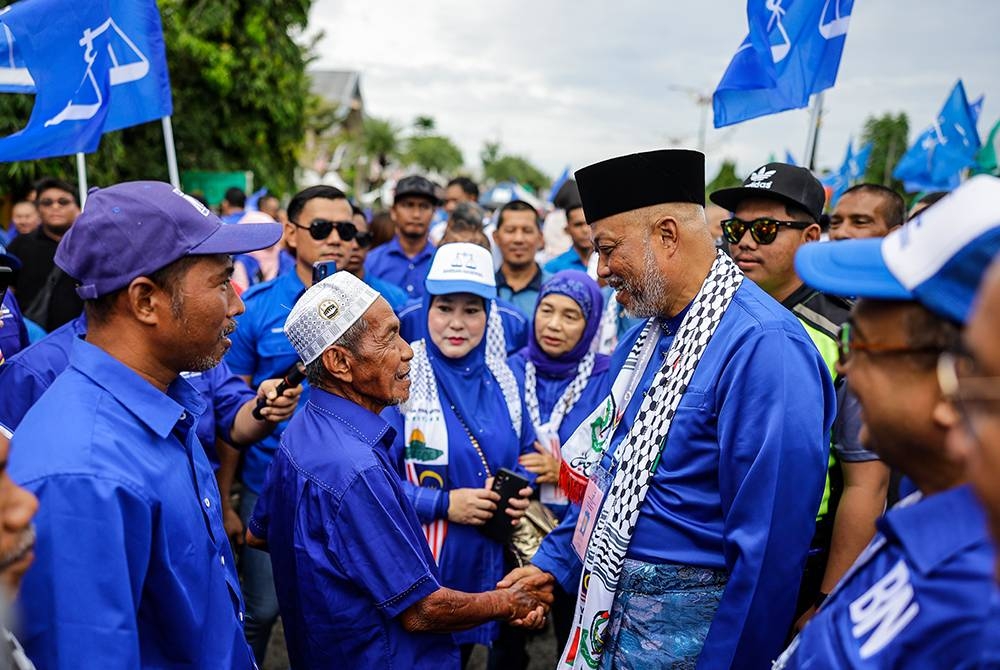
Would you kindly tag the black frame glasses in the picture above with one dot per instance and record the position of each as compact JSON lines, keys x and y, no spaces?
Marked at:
{"x":846,"y":345}
{"x":763,"y":230}
{"x":320,"y":229}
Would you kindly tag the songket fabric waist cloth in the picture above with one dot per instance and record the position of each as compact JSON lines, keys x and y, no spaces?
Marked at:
{"x":661,"y":615}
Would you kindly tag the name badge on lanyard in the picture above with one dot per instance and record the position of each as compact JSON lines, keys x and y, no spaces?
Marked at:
{"x":597,"y":488}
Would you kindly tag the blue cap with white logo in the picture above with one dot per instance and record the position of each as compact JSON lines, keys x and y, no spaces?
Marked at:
{"x":938,"y":259}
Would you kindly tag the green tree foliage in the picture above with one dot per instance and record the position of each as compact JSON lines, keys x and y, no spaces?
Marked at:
{"x":380,"y":140}
{"x":498,"y":166}
{"x":240,"y":94}
{"x":888,"y":134}
{"x":424,"y":125}
{"x":726,"y":178}
{"x":433,"y":152}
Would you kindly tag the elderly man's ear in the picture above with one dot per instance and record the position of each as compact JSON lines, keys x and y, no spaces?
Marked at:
{"x":338,"y":364}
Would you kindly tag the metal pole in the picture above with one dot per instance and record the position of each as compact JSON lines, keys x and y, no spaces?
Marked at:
{"x":81,"y":176}
{"x":815,"y":113}
{"x":168,"y":140}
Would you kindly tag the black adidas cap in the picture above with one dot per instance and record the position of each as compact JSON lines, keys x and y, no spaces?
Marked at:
{"x":778,"y":181}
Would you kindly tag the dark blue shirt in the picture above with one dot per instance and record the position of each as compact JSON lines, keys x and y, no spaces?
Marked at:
{"x":391,"y":264}
{"x":525,"y":299}
{"x":13,"y":333}
{"x":740,"y":477}
{"x":132,"y":565}
{"x":413,"y":324}
{"x":917,"y":597}
{"x":26,"y":376}
{"x":346,"y":548}
{"x":569,"y":260}
{"x":395,"y":296}
{"x":261,"y":351}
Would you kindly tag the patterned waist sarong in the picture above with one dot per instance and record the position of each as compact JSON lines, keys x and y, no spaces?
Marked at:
{"x":661,"y":615}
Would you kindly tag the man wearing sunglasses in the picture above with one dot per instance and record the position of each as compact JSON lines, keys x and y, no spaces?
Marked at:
{"x":405,"y":260}
{"x":920,"y":590}
{"x":58,"y":303}
{"x":775,"y":213}
{"x":319,"y":228}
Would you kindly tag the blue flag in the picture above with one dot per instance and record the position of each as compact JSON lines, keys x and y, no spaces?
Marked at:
{"x":792,"y":51}
{"x":14,"y":75}
{"x":789,"y":158}
{"x":851,"y":171}
{"x":558,"y":183}
{"x":942,"y":151}
{"x":101,"y":67}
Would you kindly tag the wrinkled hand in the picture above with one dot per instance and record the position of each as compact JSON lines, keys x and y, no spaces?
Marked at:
{"x":278,"y":408}
{"x":543,"y":464}
{"x":472,"y":507}
{"x":531,"y":592}
{"x":233,"y":525}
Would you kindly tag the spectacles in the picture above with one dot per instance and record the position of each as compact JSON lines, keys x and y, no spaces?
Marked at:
{"x":320,"y":229}
{"x":762,"y":230}
{"x":847,"y":345}
{"x":48,"y":202}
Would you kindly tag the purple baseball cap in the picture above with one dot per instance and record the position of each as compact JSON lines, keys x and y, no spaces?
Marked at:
{"x":135,"y":228}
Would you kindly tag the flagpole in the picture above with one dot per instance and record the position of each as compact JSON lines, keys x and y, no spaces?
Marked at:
{"x":81,"y":176}
{"x":815,"y":114}
{"x":168,"y":141}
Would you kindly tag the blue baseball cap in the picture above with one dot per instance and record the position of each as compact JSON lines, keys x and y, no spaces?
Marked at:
{"x":135,"y":228}
{"x":937,"y":259}
{"x":462,"y":267}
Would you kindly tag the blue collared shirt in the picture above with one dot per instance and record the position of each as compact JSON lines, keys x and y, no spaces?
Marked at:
{"x":347,"y":551}
{"x":132,"y":564}
{"x":568,"y":260}
{"x":524,"y":299}
{"x":395,"y":296}
{"x":26,"y":376}
{"x":261,"y":351}
{"x":917,"y":597}
{"x":13,"y":333}
{"x":740,"y":477}
{"x":391,"y":264}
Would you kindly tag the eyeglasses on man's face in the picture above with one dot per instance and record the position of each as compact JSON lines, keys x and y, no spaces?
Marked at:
{"x":763,"y":230}
{"x":320,"y":229}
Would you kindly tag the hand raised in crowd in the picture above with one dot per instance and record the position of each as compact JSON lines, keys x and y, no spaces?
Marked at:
{"x":538,"y":584}
{"x":543,"y":464}
{"x":472,"y":507}
{"x":278,"y":408}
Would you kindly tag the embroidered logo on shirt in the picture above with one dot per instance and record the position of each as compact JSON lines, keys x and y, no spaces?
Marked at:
{"x":886,"y":608}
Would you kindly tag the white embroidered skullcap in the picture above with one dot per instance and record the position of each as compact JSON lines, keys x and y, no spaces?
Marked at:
{"x":325,"y":312}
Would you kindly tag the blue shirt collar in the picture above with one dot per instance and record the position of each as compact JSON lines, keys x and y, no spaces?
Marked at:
{"x":371,"y":428}
{"x":937,"y":527}
{"x":160,"y":412}
{"x":394,"y":247}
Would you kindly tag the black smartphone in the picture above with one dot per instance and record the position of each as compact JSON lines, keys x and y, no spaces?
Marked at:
{"x":506,"y":484}
{"x":322,"y":270}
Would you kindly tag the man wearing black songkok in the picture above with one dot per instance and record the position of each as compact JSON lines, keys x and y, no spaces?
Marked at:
{"x":696,"y":480}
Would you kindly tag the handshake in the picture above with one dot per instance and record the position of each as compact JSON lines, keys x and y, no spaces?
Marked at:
{"x":529,"y":594}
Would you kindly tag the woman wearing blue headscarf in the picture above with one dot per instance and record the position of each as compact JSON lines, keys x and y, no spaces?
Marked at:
{"x":464,"y":420}
{"x":562,"y":380}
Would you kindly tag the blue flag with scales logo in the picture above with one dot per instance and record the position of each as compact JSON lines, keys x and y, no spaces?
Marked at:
{"x":94,"y":67}
{"x":792,"y":51}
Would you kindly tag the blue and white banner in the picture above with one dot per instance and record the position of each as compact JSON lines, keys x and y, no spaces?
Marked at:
{"x":942,"y":151}
{"x":852,"y":171}
{"x":793,"y":50}
{"x":94,"y":66}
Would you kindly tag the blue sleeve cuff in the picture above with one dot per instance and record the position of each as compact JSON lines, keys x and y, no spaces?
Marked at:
{"x":430,"y":504}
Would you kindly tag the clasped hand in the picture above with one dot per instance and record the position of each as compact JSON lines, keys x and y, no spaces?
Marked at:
{"x":531,"y":595}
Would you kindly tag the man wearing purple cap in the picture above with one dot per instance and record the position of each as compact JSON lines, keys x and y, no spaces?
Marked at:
{"x":133,"y":567}
{"x":697,"y":479}
{"x":919,"y":594}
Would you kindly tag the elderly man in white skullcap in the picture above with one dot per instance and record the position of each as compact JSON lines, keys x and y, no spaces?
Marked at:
{"x":353,"y":572}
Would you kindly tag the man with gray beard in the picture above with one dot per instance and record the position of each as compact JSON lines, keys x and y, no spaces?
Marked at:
{"x":695,"y":482}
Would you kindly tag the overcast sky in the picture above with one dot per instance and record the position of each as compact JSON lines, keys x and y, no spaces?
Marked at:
{"x":576,"y":81}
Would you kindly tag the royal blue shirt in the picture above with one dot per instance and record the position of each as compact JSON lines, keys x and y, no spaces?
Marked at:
{"x":132,"y":564}
{"x":26,"y":376}
{"x":261,"y":351}
{"x":395,"y":296}
{"x":13,"y":333}
{"x":413,"y":324}
{"x":390,"y":263}
{"x":740,"y":477}
{"x":917,"y":597}
{"x":346,"y":548}
{"x":568,"y":260}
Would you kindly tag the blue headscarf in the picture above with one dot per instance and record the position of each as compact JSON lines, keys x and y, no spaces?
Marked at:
{"x":583,"y":290}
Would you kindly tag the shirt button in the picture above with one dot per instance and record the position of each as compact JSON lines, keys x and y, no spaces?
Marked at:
{"x":222,"y":559}
{"x":412,"y":266}
{"x":208,"y":503}
{"x":409,"y":288}
{"x":241,"y":616}
{"x":184,"y":416}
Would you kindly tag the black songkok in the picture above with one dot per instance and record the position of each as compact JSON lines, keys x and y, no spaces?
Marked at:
{"x":635,"y":181}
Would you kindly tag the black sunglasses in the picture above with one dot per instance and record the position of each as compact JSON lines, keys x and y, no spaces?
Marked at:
{"x":320,"y":229}
{"x":762,"y":230}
